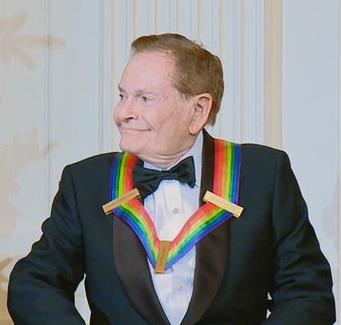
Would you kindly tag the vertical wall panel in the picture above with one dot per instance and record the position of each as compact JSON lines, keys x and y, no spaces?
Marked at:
{"x":24,"y":141}
{"x":252,"y":71}
{"x":338,"y":176}
{"x":74,"y":83}
{"x":120,"y":53}
{"x":310,"y":112}
{"x":241,"y":48}
{"x":273,"y":73}
{"x":184,"y":18}
{"x":105,"y":74}
{"x":144,"y":21}
{"x":225,"y":54}
{"x":228,"y":125}
{"x":207,"y":14}
{"x":166,"y":16}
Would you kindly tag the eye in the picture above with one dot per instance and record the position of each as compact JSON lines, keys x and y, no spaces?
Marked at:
{"x":122,"y":97}
{"x":145,"y":99}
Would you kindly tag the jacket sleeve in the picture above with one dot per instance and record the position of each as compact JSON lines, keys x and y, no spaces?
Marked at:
{"x":302,"y":286}
{"x":42,"y":284}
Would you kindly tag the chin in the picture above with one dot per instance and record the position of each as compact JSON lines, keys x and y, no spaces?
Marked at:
{"x":129,"y":147}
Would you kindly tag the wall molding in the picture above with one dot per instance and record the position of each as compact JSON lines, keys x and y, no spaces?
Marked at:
{"x":242,"y":52}
{"x":338,"y":194}
{"x":46,"y":103}
{"x":105,"y":76}
{"x":252,"y":71}
{"x":273,"y":72}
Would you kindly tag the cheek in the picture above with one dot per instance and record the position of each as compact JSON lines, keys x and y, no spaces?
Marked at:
{"x":115,"y":114}
{"x":177,"y":122}
{"x":166,"y":119}
{"x":165,"y":127}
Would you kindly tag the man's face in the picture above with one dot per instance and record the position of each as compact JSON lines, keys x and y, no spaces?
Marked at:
{"x":152,"y":116}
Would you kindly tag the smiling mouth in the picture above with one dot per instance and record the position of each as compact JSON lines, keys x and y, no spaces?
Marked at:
{"x":124,"y":129}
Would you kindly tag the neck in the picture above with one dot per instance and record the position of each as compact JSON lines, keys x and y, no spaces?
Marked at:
{"x":166,"y":160}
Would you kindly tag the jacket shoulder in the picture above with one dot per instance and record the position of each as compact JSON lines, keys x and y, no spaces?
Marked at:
{"x":261,"y":150}
{"x":261,"y":154}
{"x":97,"y":161}
{"x":263,"y":161}
{"x":93,"y":169}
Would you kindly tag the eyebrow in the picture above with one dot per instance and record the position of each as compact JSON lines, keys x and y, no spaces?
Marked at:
{"x":121,"y":89}
{"x":138,"y":92}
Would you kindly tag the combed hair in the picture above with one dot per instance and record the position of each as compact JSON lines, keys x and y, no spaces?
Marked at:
{"x":197,"y":70}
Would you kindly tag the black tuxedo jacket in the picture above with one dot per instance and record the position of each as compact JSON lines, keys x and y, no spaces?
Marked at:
{"x":271,"y":250}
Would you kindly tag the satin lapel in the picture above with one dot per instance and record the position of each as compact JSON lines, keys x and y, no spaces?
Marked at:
{"x":211,"y":252}
{"x":133,"y":271}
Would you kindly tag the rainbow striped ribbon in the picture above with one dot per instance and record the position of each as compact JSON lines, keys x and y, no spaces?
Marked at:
{"x":206,"y":219}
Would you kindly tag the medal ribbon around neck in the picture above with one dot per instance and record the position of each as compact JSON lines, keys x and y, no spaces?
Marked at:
{"x":206,"y":219}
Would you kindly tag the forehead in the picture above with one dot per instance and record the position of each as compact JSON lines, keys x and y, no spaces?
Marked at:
{"x":148,"y":69}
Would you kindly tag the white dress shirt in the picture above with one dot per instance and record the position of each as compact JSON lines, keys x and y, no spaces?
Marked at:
{"x":170,"y":206}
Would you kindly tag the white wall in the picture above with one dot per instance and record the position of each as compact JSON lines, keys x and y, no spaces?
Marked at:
{"x":312,"y":114}
{"x":282,"y":73}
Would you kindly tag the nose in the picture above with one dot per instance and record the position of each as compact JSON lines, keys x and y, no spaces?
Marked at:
{"x":125,"y":110}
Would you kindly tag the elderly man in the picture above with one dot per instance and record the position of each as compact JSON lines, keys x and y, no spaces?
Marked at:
{"x":197,"y":230}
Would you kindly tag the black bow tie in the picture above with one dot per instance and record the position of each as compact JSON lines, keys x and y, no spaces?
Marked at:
{"x":147,"y":180}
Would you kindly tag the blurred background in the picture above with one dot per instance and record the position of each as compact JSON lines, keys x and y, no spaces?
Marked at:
{"x":60,"y":62}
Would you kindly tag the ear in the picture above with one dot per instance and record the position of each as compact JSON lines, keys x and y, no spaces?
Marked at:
{"x":201,"y":110}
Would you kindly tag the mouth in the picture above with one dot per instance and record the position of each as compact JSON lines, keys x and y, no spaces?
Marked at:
{"x":132,"y":130}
